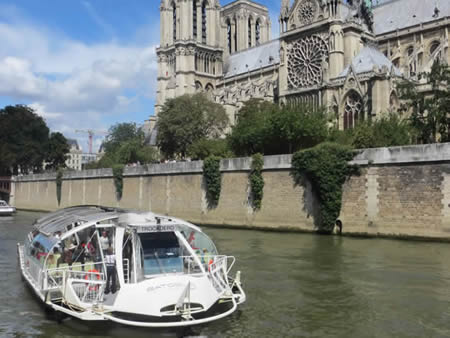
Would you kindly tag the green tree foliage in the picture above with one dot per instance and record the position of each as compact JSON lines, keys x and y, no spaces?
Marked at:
{"x":120,"y":133}
{"x":326,"y":167}
{"x":203,"y":148}
{"x":24,"y":140}
{"x":125,"y":144}
{"x":387,"y":131}
{"x":187,"y":119}
{"x":269,"y":129}
{"x":429,"y":111}
{"x":257,"y":180}
{"x":57,"y":151}
{"x":213,"y":180}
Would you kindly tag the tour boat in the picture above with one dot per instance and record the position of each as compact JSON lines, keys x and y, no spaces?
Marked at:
{"x":5,"y":209}
{"x":168,"y":272}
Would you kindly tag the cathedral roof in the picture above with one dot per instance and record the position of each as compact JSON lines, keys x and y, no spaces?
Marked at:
{"x":254,"y":58}
{"x":399,"y":14}
{"x":369,"y":59}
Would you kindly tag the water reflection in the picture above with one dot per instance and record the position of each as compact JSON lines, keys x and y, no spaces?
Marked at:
{"x":297,"y":285}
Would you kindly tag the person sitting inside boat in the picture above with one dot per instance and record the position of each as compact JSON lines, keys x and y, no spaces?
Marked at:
{"x":110,"y":262}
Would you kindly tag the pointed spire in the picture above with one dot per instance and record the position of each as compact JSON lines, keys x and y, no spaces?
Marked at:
{"x":285,"y":4}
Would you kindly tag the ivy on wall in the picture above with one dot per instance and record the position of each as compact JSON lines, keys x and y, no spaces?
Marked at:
{"x":59,"y":179}
{"x":212,"y":176}
{"x":326,"y":167}
{"x":256,"y":180}
{"x":118,"y":180}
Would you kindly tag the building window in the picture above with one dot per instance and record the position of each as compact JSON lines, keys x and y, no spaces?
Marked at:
{"x":353,"y":110}
{"x":174,"y":15}
{"x":435,"y":53}
{"x":249,"y":32}
{"x":229,"y":35}
{"x":204,"y":22}
{"x":194,"y":19}
{"x":258,"y":33}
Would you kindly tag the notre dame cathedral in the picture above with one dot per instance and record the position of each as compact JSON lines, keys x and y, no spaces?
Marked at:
{"x":345,"y":55}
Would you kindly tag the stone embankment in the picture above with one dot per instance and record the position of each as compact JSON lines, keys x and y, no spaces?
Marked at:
{"x":401,"y":191}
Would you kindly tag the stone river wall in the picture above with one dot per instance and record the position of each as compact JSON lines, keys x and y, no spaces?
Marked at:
{"x":402,"y":191}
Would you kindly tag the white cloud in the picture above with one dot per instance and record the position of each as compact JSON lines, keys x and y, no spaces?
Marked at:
{"x":72,"y":84}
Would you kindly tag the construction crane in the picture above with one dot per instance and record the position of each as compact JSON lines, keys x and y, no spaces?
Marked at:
{"x":91,"y":134}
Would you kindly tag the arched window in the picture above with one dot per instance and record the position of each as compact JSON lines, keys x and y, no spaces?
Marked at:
{"x":174,"y":16}
{"x":258,"y":32}
{"x":434,"y":46}
{"x":353,"y":110}
{"x":194,"y":19}
{"x":229,"y":35}
{"x":204,"y":22}
{"x":198,"y":86}
{"x":249,"y":32}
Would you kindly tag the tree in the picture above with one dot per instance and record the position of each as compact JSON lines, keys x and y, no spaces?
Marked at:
{"x":120,"y":133}
{"x":125,"y":144}
{"x":249,"y":135}
{"x":387,"y":131}
{"x":24,"y":140}
{"x":187,"y":119}
{"x":203,"y":148}
{"x":57,"y":151}
{"x":269,"y":129}
{"x":429,"y":111}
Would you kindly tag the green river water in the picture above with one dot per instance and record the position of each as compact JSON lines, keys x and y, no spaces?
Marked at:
{"x":297,"y":285}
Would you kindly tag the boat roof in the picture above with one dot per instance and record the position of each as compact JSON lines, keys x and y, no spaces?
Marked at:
{"x":59,"y":221}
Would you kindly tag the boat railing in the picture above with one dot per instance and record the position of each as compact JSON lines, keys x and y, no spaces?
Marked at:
{"x":218,"y":272}
{"x":90,"y":288}
{"x":35,"y":270}
{"x":55,"y":277}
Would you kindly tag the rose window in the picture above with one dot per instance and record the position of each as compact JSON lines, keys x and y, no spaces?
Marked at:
{"x":352,"y":110}
{"x":307,"y":12}
{"x":305,"y":58}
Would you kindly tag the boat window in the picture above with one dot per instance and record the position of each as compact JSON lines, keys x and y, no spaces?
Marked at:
{"x":41,"y":246}
{"x":199,"y":241}
{"x":161,"y":253}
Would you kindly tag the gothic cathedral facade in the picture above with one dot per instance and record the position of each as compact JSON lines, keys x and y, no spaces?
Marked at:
{"x":344,"y":55}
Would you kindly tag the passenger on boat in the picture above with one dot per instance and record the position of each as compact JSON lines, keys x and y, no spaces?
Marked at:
{"x":104,"y":242}
{"x":110,"y":261}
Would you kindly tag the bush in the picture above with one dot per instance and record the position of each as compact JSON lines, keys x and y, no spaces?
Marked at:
{"x":59,"y":177}
{"x":211,"y":173}
{"x":118,"y":180}
{"x":326,"y":167}
{"x":256,"y":180}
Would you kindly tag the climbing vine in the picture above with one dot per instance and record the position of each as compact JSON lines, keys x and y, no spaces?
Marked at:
{"x":326,"y":167}
{"x":118,"y":180}
{"x":59,"y":176}
{"x":256,"y":180}
{"x":211,"y":173}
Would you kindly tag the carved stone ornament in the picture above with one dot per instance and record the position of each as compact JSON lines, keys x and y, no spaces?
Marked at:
{"x":305,"y":59}
{"x":307,"y":11}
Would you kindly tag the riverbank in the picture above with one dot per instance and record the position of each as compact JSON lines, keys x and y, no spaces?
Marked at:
{"x":401,"y":192}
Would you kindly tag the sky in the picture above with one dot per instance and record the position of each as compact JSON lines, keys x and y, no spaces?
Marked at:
{"x":83,"y":64}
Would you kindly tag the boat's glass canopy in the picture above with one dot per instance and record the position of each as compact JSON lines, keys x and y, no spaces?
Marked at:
{"x":63,"y":220}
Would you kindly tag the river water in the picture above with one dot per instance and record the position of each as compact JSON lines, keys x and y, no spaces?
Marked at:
{"x":298,"y":285}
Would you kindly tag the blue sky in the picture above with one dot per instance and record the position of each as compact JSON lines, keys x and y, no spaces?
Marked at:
{"x":83,"y":64}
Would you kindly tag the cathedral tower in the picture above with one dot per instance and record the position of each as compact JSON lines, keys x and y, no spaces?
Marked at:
{"x":190,"y":55}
